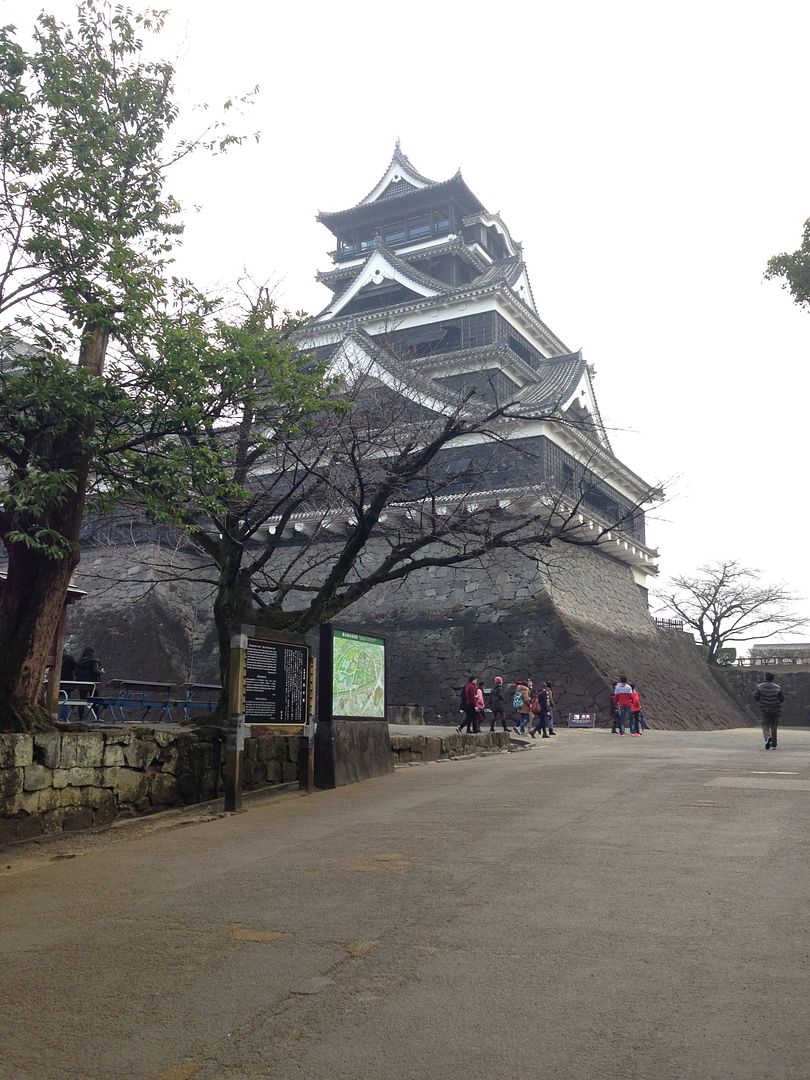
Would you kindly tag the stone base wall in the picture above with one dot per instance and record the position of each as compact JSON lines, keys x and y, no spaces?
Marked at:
{"x":55,"y":781}
{"x":418,"y":749}
{"x":795,"y":686}
{"x":573,"y":616}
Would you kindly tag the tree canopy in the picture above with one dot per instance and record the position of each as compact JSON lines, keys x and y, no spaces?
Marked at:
{"x":725,"y":602}
{"x":794,"y":270}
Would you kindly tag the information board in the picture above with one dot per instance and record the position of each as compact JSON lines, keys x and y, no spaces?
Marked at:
{"x":275,"y":682}
{"x":358,"y":675}
{"x":582,"y":720}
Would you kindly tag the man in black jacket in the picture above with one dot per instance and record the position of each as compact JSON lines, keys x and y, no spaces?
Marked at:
{"x":770,"y":697}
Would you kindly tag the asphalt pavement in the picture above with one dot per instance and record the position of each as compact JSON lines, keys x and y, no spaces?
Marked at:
{"x":599,"y":907}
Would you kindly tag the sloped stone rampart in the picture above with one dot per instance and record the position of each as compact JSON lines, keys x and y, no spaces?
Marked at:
{"x":579,"y":620}
{"x":57,"y":781}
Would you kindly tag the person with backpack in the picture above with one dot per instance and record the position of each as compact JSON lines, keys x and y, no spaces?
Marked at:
{"x":497,"y":702}
{"x":469,"y":699}
{"x":520,"y":703}
{"x":550,"y":693}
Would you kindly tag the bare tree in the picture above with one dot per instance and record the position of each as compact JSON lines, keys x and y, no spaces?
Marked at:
{"x":725,"y":602}
{"x":399,"y":476}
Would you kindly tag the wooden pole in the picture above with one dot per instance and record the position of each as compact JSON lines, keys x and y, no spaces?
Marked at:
{"x":235,"y":739}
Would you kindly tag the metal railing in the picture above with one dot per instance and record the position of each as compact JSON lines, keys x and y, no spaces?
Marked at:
{"x":668,"y":624}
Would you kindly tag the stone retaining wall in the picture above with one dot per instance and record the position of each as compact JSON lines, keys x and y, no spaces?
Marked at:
{"x":72,"y":780}
{"x":413,"y":749}
{"x":795,"y":684}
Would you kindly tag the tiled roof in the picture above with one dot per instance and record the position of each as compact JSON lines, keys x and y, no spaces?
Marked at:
{"x":439,"y":188}
{"x":557,"y":379}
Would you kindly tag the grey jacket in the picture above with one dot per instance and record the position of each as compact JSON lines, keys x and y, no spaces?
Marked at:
{"x":770,"y":697}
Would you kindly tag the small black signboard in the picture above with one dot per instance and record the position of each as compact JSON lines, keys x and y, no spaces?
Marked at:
{"x":276,"y":676}
{"x":582,"y":720}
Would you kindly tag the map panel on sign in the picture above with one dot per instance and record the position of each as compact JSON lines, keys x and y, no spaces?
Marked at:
{"x":358,"y":675}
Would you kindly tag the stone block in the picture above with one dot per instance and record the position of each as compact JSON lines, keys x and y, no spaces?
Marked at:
{"x":113,"y":755}
{"x":104,"y":806}
{"x":77,"y":817}
{"x":47,"y":746}
{"x":82,"y":749}
{"x":163,"y":790}
{"x":289,"y":772}
{"x":53,"y":820}
{"x":118,"y":738}
{"x":73,"y":796}
{"x":29,"y":825}
{"x":60,"y":778}
{"x":83,"y":777}
{"x":16,"y":751}
{"x":8,"y":830}
{"x":139,"y":753}
{"x":274,"y":772}
{"x":49,"y":799}
{"x":169,"y":757}
{"x":27,"y":802}
{"x":127,"y":785}
{"x":11,"y":783}
{"x":37,"y":777}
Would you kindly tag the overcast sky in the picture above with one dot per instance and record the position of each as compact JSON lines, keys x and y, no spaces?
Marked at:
{"x":651,"y":157}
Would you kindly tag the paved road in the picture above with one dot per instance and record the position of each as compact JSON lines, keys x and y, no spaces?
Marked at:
{"x":596,"y":907}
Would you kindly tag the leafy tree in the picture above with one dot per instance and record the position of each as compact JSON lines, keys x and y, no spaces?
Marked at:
{"x":725,"y":602}
{"x":86,"y":230}
{"x":794,"y":270}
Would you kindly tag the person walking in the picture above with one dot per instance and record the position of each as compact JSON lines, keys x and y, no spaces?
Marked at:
{"x":479,"y":706}
{"x":550,"y":692}
{"x":539,"y":706}
{"x":614,"y":710}
{"x":623,"y":695}
{"x":497,"y":702}
{"x":470,"y":705}
{"x":770,"y":697}
{"x":520,"y":703}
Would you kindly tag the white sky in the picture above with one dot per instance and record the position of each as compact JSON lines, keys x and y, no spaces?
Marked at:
{"x":651,"y":157}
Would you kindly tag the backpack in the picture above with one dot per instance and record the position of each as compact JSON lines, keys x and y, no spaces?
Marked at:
{"x":517,"y":700}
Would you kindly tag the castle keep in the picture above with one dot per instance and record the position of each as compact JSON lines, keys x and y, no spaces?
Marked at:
{"x":431,"y":296}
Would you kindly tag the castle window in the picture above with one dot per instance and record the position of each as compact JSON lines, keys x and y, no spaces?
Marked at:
{"x":419,"y":227}
{"x":441,"y":220}
{"x":395,"y":234}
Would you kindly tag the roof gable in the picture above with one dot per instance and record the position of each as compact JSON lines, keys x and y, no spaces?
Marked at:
{"x":381,"y":266}
{"x":399,"y":177}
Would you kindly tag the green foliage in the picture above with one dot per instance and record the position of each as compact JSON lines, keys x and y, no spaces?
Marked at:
{"x":794,"y":270}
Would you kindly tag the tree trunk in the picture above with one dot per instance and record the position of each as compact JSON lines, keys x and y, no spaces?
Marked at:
{"x":36,"y":585}
{"x":30,"y":607}
{"x":233,"y":605}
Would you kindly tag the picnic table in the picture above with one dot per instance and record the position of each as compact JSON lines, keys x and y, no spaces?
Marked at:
{"x":199,"y":696}
{"x":140,"y":694}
